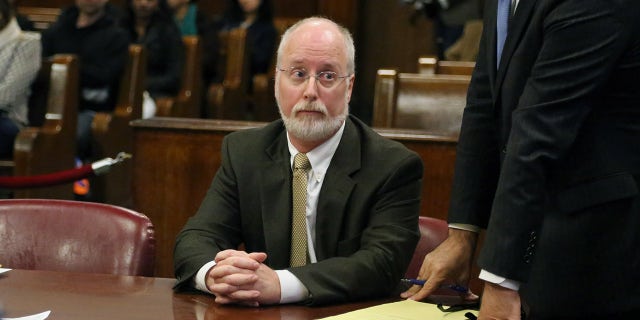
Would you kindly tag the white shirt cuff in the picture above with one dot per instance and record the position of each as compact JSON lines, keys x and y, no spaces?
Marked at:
{"x":501,"y":281}
{"x":466,"y":227}
{"x":199,"y":281}
{"x":291,"y":288}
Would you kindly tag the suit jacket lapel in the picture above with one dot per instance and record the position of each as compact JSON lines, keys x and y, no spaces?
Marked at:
{"x":517,"y":27}
{"x":275,"y":192}
{"x":336,"y":191}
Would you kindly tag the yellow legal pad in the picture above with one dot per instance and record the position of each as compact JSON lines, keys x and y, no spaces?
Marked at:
{"x":402,"y":310}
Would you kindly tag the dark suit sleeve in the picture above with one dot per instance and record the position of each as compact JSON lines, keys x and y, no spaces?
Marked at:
{"x":563,"y":88}
{"x":477,"y":163}
{"x":382,"y":253}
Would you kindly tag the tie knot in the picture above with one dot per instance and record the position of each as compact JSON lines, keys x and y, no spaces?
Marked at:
{"x":300,"y":161}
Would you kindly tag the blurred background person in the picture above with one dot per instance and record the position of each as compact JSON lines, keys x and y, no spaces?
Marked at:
{"x":257,"y":17}
{"x":88,"y":29}
{"x":150,"y":23}
{"x":19,"y":64}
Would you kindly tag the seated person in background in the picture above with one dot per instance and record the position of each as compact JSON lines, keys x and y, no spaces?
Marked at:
{"x":19,"y":64}
{"x":349,"y":231}
{"x":189,"y":19}
{"x":88,"y":29}
{"x":193,"y":21}
{"x":257,"y":17}
{"x":149,"y":23}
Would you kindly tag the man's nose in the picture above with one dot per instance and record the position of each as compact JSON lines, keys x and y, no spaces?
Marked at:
{"x":311,"y":89}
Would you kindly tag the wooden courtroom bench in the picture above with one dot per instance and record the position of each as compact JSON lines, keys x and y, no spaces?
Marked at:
{"x":431,"y":65}
{"x":49,"y":144}
{"x":112,"y":133}
{"x":229,"y":99}
{"x":175,"y":161}
{"x":41,"y":17}
{"x":263,"y":102}
{"x":187,"y":103}
{"x":242,"y":96}
{"x":420,"y":101}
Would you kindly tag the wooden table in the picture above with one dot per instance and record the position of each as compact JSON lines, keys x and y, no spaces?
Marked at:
{"x":85,"y":296}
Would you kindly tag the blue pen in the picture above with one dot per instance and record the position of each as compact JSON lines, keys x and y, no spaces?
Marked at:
{"x":454,"y":287}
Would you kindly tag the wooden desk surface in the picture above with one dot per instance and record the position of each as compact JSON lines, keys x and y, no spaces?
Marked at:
{"x":85,"y":296}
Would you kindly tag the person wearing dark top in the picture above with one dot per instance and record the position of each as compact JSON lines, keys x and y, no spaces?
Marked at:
{"x":257,"y":17}
{"x":88,"y":29}
{"x":150,"y":23}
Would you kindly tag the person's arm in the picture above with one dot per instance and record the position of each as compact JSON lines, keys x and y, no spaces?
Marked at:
{"x":475,"y":178}
{"x":22,"y":71}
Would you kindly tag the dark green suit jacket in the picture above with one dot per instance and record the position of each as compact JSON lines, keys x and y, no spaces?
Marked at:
{"x":367,"y":215}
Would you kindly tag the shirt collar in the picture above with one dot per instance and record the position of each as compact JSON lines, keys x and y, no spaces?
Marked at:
{"x":320,"y":157}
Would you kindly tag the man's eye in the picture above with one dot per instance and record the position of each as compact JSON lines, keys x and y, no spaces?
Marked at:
{"x":298,"y":74}
{"x":329,"y":76}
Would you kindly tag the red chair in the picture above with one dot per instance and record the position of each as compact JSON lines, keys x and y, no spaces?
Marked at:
{"x":63,"y":235}
{"x":432,"y":232}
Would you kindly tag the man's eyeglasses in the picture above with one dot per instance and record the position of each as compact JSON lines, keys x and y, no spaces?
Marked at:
{"x":298,"y":76}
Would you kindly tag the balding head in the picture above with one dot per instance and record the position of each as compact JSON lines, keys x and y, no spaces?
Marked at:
{"x":329,"y":29}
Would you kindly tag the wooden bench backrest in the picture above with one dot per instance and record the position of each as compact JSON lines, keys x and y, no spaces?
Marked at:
{"x":52,"y":146}
{"x":431,"y":65}
{"x":113,"y":134}
{"x":187,"y":103}
{"x":263,"y":100}
{"x":41,"y":17}
{"x":229,"y":100}
{"x":416,"y":101}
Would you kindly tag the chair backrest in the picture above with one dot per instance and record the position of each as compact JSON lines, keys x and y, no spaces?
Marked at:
{"x":432,"y":232}
{"x":61,"y":235}
{"x":433,"y":103}
{"x":112,"y":133}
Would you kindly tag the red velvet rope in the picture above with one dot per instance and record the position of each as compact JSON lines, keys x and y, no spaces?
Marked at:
{"x":46,"y":180}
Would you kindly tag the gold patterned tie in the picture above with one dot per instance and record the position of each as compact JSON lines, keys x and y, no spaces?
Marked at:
{"x":301,"y":166}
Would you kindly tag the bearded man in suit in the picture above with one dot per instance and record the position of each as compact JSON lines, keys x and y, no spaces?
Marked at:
{"x":362,"y":193}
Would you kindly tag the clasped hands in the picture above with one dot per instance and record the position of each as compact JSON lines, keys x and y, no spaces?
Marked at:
{"x":242,"y":278}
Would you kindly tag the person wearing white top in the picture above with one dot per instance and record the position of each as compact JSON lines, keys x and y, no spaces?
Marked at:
{"x":19,"y":64}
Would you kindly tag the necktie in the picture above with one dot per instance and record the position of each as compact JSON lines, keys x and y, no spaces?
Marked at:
{"x":299,"y":245}
{"x":501,"y":26}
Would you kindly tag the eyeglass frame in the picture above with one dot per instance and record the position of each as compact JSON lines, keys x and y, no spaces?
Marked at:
{"x":316,"y":76}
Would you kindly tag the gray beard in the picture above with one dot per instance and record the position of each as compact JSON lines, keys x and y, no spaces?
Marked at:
{"x":311,"y":129}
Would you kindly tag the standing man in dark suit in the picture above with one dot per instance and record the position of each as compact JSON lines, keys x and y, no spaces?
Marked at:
{"x":549,"y":162}
{"x":362,"y":194}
